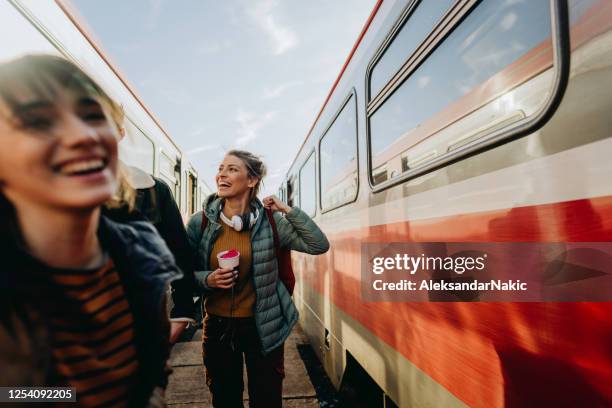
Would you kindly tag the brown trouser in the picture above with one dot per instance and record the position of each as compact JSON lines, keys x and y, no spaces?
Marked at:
{"x":226,"y":343}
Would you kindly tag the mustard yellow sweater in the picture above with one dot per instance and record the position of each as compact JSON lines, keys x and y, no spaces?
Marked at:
{"x":220,"y":300}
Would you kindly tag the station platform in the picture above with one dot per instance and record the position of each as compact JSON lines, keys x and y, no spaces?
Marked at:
{"x":187,"y":386}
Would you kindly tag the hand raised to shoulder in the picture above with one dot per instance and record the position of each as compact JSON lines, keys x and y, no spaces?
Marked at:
{"x":275,"y":204}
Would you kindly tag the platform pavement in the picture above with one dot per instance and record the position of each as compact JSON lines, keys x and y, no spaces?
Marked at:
{"x":187,"y":387}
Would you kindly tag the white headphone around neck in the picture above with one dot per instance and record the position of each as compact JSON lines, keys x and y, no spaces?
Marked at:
{"x":237,"y":222}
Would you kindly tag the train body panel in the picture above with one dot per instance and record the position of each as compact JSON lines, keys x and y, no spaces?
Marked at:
{"x":550,"y":185}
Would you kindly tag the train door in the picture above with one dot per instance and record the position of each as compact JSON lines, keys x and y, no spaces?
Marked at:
{"x":192,"y":193}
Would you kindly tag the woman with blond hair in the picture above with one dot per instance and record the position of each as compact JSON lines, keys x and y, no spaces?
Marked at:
{"x":249,"y":311}
{"x":83,"y":297}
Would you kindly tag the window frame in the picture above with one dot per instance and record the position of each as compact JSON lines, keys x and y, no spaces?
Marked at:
{"x":389,"y":38}
{"x":560,"y":39}
{"x":345,"y":102}
{"x":168,"y":178}
{"x":313,"y":155}
{"x":191,"y":182}
{"x":154,"y":161}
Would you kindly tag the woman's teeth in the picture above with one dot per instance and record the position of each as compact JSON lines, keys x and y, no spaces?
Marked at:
{"x":86,"y":166}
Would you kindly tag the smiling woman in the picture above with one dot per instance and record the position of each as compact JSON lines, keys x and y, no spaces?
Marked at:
{"x":249,"y":310}
{"x":57,"y":146}
{"x":90,"y":309}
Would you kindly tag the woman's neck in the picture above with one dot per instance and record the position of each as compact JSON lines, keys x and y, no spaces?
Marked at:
{"x":61,"y":239}
{"x":236,"y":205}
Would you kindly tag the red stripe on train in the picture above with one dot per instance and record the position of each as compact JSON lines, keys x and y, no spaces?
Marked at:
{"x":488,"y":354}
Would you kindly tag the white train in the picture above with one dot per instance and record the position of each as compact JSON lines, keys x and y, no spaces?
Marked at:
{"x":462,"y":121}
{"x":46,"y":26}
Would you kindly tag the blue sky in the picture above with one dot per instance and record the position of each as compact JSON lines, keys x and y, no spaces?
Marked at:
{"x":250,"y":74}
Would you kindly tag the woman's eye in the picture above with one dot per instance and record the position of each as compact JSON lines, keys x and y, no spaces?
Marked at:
{"x":37,"y":123}
{"x":94,"y":117}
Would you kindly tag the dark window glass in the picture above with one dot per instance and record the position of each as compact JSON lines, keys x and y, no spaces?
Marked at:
{"x":338,"y":157}
{"x":292,"y":193}
{"x":493,"y":36}
{"x":308,"y":200}
{"x":412,"y":33}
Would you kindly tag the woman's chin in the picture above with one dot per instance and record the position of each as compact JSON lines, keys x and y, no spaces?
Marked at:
{"x":89,"y":201}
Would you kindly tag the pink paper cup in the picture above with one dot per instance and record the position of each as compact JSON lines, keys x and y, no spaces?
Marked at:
{"x":228,"y":263}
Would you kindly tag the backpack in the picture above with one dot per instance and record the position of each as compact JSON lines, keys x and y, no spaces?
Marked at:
{"x":148,"y":202}
{"x":283,"y":256}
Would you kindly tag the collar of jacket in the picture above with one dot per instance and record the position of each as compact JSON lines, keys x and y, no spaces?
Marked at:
{"x":138,"y":250}
{"x":212,"y":208}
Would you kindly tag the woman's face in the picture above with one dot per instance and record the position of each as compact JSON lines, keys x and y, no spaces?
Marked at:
{"x":60,"y":154}
{"x":233,"y":178}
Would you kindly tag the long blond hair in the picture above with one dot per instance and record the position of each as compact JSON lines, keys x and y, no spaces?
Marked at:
{"x":125,"y":194}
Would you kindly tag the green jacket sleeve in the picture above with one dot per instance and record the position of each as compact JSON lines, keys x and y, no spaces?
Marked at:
{"x":194,"y":236}
{"x":298,"y":232}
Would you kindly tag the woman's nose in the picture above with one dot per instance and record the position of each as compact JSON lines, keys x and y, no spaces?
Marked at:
{"x":73,"y":131}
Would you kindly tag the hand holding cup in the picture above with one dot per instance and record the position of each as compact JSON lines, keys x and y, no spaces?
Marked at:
{"x":222,"y":278}
{"x":226,"y":275}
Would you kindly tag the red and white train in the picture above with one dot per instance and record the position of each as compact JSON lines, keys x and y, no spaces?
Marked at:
{"x":462,"y":121}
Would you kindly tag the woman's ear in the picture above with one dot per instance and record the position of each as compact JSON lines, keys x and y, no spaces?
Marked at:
{"x":252,"y":181}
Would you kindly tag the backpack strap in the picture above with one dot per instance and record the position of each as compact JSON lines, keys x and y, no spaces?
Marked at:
{"x":203,"y":225}
{"x":274,"y":232}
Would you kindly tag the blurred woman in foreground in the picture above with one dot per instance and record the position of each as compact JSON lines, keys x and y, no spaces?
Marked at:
{"x":83,"y":298}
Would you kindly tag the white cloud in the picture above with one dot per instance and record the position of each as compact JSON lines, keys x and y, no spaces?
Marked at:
{"x":152,"y":16}
{"x":250,"y":124}
{"x":283,"y":37}
{"x":270,"y":93}
{"x":211,"y":48}
{"x":280,"y":170}
{"x":424,"y":81}
{"x":508,"y":21}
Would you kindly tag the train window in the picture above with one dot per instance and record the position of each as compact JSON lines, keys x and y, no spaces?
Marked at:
{"x":421,"y":17}
{"x":136,"y":149}
{"x":338,"y":158}
{"x":500,"y":56}
{"x":166,"y":172}
{"x":292,"y":192}
{"x":308,"y":199}
{"x":281,"y":194}
{"x":177,"y":185}
{"x":192,"y":193}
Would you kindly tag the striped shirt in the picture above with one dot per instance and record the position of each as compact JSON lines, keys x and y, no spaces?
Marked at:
{"x":93,"y":336}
